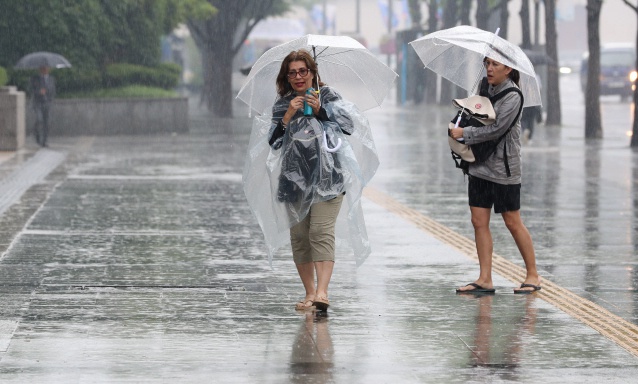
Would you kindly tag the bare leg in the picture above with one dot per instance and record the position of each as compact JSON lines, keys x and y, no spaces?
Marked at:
{"x":524,"y":243}
{"x":484,"y":246}
{"x":324,"y":274}
{"x":307,"y":274}
{"x":303,"y":262}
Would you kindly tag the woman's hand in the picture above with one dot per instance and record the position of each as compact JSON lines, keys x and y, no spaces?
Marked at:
{"x":456,"y":133}
{"x":295,"y":105}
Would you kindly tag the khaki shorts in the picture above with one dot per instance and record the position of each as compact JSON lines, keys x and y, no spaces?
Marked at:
{"x":313,"y":239}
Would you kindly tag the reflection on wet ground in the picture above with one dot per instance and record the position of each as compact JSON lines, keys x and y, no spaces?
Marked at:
{"x":312,"y":353}
{"x":139,"y":261}
{"x":498,"y":342}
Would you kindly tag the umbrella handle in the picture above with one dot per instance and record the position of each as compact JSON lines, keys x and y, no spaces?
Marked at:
{"x":325,"y":143}
{"x":457,"y":125}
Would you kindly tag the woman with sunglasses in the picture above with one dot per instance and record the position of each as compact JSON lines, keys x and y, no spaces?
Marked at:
{"x":313,"y":178}
{"x":497,"y":181}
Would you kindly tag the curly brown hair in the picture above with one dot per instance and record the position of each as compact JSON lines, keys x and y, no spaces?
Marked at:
{"x":283,"y":86}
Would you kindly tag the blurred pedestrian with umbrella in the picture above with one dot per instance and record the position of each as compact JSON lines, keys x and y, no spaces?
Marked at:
{"x":42,"y":86}
{"x":319,"y":148}
{"x":43,"y":93}
{"x":529,"y":118}
{"x":496,"y":182}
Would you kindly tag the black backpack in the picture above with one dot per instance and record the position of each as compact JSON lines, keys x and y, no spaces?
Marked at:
{"x":482,"y":151}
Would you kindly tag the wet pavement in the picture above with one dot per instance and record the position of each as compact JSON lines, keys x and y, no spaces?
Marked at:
{"x":136,"y":259}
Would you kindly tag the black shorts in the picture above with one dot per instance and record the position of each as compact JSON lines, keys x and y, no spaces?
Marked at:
{"x":485,"y":194}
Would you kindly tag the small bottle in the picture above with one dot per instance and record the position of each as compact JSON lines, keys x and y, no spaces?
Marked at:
{"x":307,"y":109}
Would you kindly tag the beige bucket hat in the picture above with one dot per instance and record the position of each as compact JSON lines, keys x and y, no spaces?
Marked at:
{"x":479,"y":106}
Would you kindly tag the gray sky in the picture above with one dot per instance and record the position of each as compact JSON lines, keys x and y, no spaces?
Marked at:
{"x":617,"y":22}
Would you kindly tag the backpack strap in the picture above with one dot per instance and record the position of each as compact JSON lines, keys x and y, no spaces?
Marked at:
{"x":484,"y":91}
{"x":504,"y":92}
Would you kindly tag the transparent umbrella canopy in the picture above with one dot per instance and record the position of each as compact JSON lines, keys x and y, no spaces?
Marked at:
{"x":457,"y":54}
{"x":342,"y":62}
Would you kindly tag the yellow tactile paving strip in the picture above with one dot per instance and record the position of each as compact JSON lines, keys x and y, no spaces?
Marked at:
{"x":619,"y":330}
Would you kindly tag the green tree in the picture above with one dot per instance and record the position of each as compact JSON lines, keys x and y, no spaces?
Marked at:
{"x":92,"y":33}
{"x":70,"y":28}
{"x":220,"y":37}
{"x":136,"y":26}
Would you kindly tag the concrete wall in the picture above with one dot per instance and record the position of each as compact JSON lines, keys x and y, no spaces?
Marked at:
{"x":116,"y":116}
{"x":12,"y":124}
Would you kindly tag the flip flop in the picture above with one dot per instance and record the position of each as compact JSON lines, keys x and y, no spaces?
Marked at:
{"x":477,"y":289}
{"x":522,"y":291}
{"x":303,"y":305}
{"x":321,"y":304}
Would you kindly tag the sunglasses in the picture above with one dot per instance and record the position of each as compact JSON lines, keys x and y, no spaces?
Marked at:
{"x":303,"y":72}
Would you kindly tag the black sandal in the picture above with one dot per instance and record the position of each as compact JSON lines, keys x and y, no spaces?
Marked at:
{"x":522,"y":291}
{"x":477,"y":289}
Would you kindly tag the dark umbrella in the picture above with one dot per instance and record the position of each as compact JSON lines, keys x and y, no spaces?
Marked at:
{"x":43,"y":59}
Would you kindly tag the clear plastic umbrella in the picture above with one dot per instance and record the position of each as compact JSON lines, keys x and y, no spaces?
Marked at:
{"x":457,"y":54}
{"x":342,"y":63}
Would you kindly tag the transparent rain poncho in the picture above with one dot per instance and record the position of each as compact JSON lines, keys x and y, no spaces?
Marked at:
{"x":282,"y":182}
